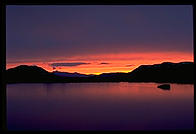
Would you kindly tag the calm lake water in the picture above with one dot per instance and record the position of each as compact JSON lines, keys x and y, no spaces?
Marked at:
{"x":100,"y":106}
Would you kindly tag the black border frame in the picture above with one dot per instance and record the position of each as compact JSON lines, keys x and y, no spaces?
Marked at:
{"x":4,"y":3}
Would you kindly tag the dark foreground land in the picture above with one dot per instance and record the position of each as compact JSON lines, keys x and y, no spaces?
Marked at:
{"x":166,"y":72}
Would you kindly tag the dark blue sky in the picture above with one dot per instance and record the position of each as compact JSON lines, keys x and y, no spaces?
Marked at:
{"x":34,"y":32}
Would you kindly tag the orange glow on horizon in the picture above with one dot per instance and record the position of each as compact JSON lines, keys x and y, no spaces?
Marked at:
{"x":113,"y":62}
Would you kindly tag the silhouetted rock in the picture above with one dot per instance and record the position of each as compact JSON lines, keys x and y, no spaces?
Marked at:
{"x":164,"y":86}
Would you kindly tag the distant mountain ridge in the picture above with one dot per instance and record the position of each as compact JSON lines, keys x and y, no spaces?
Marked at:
{"x":67,"y":74}
{"x":182,"y":72}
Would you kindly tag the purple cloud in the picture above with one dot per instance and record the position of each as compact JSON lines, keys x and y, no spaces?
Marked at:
{"x":68,"y":64}
{"x":103,"y":63}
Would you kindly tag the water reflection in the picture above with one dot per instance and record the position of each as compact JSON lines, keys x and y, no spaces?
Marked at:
{"x":99,"y":106}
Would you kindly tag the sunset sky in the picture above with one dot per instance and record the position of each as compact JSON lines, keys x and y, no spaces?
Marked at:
{"x":98,"y":39}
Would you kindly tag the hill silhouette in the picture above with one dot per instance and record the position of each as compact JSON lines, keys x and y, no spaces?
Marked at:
{"x":165,"y":72}
{"x":25,"y":73}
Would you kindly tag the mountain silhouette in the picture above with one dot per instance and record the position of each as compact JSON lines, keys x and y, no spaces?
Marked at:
{"x":66,"y":74}
{"x":25,"y":73}
{"x":165,"y":72}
